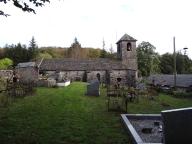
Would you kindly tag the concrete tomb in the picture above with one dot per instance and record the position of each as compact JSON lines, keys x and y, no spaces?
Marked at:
{"x":171,"y":127}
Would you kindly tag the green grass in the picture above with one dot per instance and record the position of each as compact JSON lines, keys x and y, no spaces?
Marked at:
{"x":67,"y":116}
{"x":161,"y":102}
{"x":61,"y":116}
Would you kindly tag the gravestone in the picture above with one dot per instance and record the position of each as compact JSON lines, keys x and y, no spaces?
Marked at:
{"x":93,"y":88}
{"x":177,"y":126}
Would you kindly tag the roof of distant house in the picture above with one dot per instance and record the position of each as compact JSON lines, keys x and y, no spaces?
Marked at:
{"x":25,"y":64}
{"x":182,"y":80}
{"x":81,"y":64}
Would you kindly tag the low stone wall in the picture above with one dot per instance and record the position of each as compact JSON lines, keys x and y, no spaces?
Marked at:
{"x":46,"y":83}
{"x":92,"y":75}
{"x":28,"y":74}
{"x":6,"y":74}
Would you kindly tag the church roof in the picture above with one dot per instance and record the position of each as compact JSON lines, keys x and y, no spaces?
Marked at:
{"x":126,"y":37}
{"x":68,"y":64}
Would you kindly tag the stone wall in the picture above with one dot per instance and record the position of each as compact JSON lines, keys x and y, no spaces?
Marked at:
{"x":127,"y":77}
{"x":74,"y":75}
{"x":115,"y":74}
{"x":66,"y":75}
{"x":6,"y":74}
{"x":28,"y":74}
{"x":129,"y":58}
{"x":91,"y":75}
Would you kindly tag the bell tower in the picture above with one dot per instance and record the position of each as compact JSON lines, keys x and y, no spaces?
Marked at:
{"x":126,"y":51}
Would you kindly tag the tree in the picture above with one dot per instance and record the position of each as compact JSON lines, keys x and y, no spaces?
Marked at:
{"x":1,"y":53}
{"x":5,"y":63}
{"x":166,"y":64}
{"x":33,"y":49}
{"x":148,"y":59}
{"x":183,"y":64}
{"x":93,"y":53}
{"x":111,"y":53}
{"x":75,"y":50}
{"x":103,"y":51}
{"x":187,"y":64}
{"x":18,"y":53}
{"x":44,"y":55}
{"x":23,"y":5}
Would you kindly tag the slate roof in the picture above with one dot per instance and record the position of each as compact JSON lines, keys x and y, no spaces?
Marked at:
{"x":126,"y":37}
{"x":26,"y":64}
{"x":182,"y":80}
{"x":68,"y":64}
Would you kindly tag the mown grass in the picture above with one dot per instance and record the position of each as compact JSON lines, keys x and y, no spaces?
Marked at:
{"x":61,"y":116}
{"x":159,"y":103}
{"x":67,"y":116}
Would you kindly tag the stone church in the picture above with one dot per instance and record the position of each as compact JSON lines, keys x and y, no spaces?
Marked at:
{"x":123,"y":69}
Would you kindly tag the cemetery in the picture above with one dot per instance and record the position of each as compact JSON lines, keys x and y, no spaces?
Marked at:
{"x":69,"y":115}
{"x":93,"y":101}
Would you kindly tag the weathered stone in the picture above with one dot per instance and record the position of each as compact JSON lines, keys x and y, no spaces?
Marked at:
{"x":177,"y":126}
{"x":6,"y":74}
{"x":93,"y":88}
{"x":46,"y":83}
{"x":106,"y":70}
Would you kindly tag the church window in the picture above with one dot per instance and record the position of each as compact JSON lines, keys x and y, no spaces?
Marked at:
{"x":129,"y":47}
{"x":98,"y":76}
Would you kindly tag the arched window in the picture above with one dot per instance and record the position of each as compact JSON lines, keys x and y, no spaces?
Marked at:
{"x":98,"y":76}
{"x":129,"y":47}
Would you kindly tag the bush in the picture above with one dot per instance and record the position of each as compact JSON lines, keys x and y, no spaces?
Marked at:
{"x":5,"y":63}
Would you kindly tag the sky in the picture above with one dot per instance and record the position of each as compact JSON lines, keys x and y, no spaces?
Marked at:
{"x":91,"y":21}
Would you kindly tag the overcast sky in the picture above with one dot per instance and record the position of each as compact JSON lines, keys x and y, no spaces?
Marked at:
{"x":58,"y":23}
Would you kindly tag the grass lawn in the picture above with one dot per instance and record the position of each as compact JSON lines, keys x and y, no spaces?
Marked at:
{"x":67,"y":116}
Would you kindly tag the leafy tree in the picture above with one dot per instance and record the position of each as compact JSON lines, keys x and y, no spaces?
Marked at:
{"x":44,"y":55}
{"x":148,"y":59}
{"x":55,"y":52}
{"x":166,"y":64}
{"x":183,"y":64}
{"x":93,"y":53}
{"x":187,"y":64}
{"x":1,"y":53}
{"x":26,"y":6}
{"x":155,"y":64}
{"x":103,"y":53}
{"x":5,"y":63}
{"x":75,"y":50}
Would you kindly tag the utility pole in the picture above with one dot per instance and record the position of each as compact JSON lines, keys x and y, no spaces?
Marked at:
{"x":174,"y":61}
